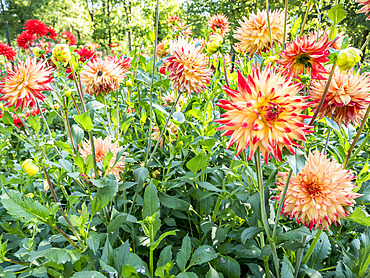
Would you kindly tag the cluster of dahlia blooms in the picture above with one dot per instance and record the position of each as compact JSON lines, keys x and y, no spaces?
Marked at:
{"x":102,"y":148}
{"x":319,"y":194}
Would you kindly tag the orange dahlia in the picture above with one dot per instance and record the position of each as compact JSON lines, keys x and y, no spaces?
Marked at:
{"x":366,"y":7}
{"x":219,"y":22}
{"x":319,"y":194}
{"x":173,"y":20}
{"x":102,"y":76}
{"x":253,"y":33}
{"x":102,"y":148}
{"x":348,"y":96}
{"x":162,"y":49}
{"x":187,"y":66}
{"x":264,"y":113}
{"x":308,"y":53}
{"x":25,"y":84}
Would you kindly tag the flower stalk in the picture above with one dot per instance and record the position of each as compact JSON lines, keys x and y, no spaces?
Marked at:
{"x":285,"y":22}
{"x":305,"y":18}
{"x":269,"y":24}
{"x":312,"y":247}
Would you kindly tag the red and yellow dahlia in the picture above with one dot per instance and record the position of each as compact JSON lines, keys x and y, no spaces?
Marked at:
{"x":306,"y":53}
{"x":219,"y":22}
{"x":187,"y":66}
{"x":319,"y":194}
{"x":102,"y":148}
{"x":102,"y":76}
{"x":366,"y":7}
{"x":347,"y":99}
{"x":265,"y":113}
{"x":253,"y":33}
{"x":25,"y":84}
{"x":8,"y":51}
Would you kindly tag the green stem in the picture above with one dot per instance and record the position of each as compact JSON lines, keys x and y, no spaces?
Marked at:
{"x":263,"y":211}
{"x":117,"y":116}
{"x":305,"y":18}
{"x":357,"y":136}
{"x":68,"y":126}
{"x":225,"y":71}
{"x":365,"y":43}
{"x":44,"y":120}
{"x":151,"y":86}
{"x":269,"y":24}
{"x":281,"y":203}
{"x":15,"y":261}
{"x":318,"y":108}
{"x":312,"y":247}
{"x":285,"y":22}
{"x":360,"y":147}
{"x":151,"y":254}
{"x":299,"y":257}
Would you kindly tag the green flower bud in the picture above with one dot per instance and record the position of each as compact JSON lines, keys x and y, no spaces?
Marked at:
{"x":348,"y":57}
{"x":62,"y":53}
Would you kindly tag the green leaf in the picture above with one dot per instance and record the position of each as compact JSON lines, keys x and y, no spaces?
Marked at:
{"x":93,"y":241}
{"x":121,"y":256}
{"x":56,"y":255}
{"x":212,"y":273}
{"x":312,"y":273}
{"x":77,"y":134}
{"x":359,"y":216}
{"x":333,"y":124}
{"x":295,"y":26}
{"x":322,"y":250}
{"x":140,"y":175}
{"x":7,"y":118}
{"x":250,"y":233}
{"x":119,"y":220}
{"x":103,"y":196}
{"x":297,"y":161}
{"x":293,"y":235}
{"x":155,"y":244}
{"x":22,"y":207}
{"x":287,"y":269}
{"x":173,"y":202}
{"x":187,"y":275}
{"x":90,"y":274}
{"x":197,"y":163}
{"x":183,"y":255}
{"x":151,"y":201}
{"x":108,"y":269}
{"x":337,"y":14}
{"x":203,"y":254}
{"x":84,"y":121}
{"x":209,"y":187}
{"x":228,"y":266}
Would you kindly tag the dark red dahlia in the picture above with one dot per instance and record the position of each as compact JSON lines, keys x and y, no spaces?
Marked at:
{"x":71,"y":40}
{"x":7,"y":51}
{"x":36,"y":27}
{"x":25,"y":39}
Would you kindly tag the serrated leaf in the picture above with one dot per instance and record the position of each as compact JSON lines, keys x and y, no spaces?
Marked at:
{"x":7,"y":118}
{"x":293,"y":235}
{"x":151,"y":201}
{"x":173,"y":202}
{"x":337,"y":14}
{"x":183,"y":255}
{"x":165,"y":257}
{"x":77,"y":134}
{"x":297,"y":161}
{"x":103,"y":196}
{"x":321,"y":251}
{"x":287,"y":269}
{"x":332,"y":124}
{"x":312,"y":273}
{"x":57,"y":255}
{"x":22,"y":207}
{"x":228,"y":266}
{"x":250,"y":233}
{"x":84,"y":121}
{"x":359,"y":216}
{"x":140,"y":175}
{"x":108,"y":269}
{"x":203,"y":254}
{"x":121,"y":256}
{"x":93,"y":241}
{"x":197,"y":163}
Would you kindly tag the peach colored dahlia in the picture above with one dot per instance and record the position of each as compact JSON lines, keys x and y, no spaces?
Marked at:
{"x":187,"y":66}
{"x":306,"y":52}
{"x":102,"y":148}
{"x":162,"y":49}
{"x":366,"y":7}
{"x":265,"y":113}
{"x":319,"y":194}
{"x":348,"y":96}
{"x":253,"y":33}
{"x":102,"y":76}
{"x":25,"y":84}
{"x":219,"y":22}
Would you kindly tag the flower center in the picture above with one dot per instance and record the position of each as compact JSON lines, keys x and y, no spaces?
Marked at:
{"x":314,"y":189}
{"x":270,"y":112}
{"x":303,"y":59}
{"x":100,"y":73}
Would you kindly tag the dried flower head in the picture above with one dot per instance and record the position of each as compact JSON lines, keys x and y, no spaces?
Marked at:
{"x":102,"y":76}
{"x":25,"y":84}
{"x":264,"y":113}
{"x":319,"y":194}
{"x":220,"y":23}
{"x":307,"y":53}
{"x":347,"y":99}
{"x":253,"y":33}
{"x":7,"y":51}
{"x":187,"y":66}
{"x":102,"y":148}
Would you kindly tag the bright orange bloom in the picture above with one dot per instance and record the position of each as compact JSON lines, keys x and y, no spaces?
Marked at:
{"x":163,"y":49}
{"x":102,"y":76}
{"x":102,"y":148}
{"x":253,"y":32}
{"x":187,"y":66}
{"x":25,"y":84}
{"x":307,"y":53}
{"x":348,"y":96}
{"x":219,"y":22}
{"x":366,"y":7}
{"x":264,"y":113}
{"x":319,"y":194}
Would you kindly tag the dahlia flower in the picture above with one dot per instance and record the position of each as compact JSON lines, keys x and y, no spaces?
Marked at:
{"x":319,"y":194}
{"x":51,"y":34}
{"x":264,"y":113}
{"x":102,"y":148}
{"x":187,"y":66}
{"x":219,"y":22}
{"x":169,"y":135}
{"x":85,"y":54}
{"x":181,"y":30}
{"x":36,"y":27}
{"x":7,"y":51}
{"x":170,"y":98}
{"x":162,"y":49}
{"x":71,"y":40}
{"x":123,"y":62}
{"x":101,"y":76}
{"x":253,"y":33}
{"x":173,"y":20}
{"x":25,"y":40}
{"x":25,"y":84}
{"x":307,"y":53}
{"x":347,"y":98}
{"x":366,"y":8}
{"x":114,"y":44}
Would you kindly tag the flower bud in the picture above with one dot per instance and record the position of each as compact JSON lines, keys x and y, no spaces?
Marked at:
{"x":37,"y":51}
{"x":215,"y":41}
{"x":128,"y":83}
{"x":56,"y":106}
{"x":62,"y":53}
{"x":348,"y":57}
{"x":30,"y":168}
{"x":68,"y":93}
